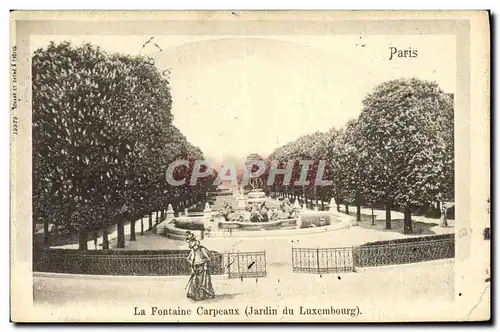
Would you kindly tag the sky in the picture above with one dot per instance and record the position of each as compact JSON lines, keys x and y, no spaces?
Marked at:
{"x":233,"y":96}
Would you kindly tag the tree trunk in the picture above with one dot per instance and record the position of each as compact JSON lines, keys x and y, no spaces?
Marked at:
{"x":388,"y":215}
{"x":82,"y":239}
{"x":373,"y":216}
{"x":95,"y":237}
{"x":338,"y":207}
{"x":132,"y":230}
{"x":142,"y":226}
{"x":105,"y":239}
{"x":46,"y":235}
{"x":407,"y":225}
{"x":120,"y":229}
{"x":346,"y":208}
{"x":358,"y":207}
{"x":157,"y":218}
{"x":150,"y":220}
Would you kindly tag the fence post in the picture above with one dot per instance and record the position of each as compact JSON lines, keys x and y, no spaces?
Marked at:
{"x":238,"y":262}
{"x":317,"y":258}
{"x":265,"y":264}
{"x":327,"y":258}
{"x":353,"y":260}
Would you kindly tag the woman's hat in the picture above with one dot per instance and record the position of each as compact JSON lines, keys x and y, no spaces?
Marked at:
{"x":190,"y":237}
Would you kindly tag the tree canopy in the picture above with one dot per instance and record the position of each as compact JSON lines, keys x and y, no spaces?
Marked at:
{"x":399,"y":152}
{"x":102,"y":138}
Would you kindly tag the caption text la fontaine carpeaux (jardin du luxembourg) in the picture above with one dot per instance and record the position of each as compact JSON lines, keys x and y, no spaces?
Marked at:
{"x":248,"y":311}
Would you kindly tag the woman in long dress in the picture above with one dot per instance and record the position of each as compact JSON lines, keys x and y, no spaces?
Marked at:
{"x":200,"y":284}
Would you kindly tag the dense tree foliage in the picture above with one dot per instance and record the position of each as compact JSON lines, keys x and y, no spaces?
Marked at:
{"x":102,"y":140}
{"x":310,"y":149}
{"x":398,"y":153}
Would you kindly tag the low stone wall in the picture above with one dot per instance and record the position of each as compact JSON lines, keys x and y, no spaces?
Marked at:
{"x":205,"y":225}
{"x":176,"y":233}
{"x":316,"y":219}
{"x":281,"y":232}
{"x":190,"y":223}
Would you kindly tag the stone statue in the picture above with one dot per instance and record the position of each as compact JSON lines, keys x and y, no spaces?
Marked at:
{"x":332,"y":202}
{"x":444,"y":215}
{"x":170,"y":208}
{"x":207,"y":207}
{"x":296,"y":204}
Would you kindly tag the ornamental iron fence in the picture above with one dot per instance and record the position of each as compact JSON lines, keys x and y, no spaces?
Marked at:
{"x":330,"y":260}
{"x":161,"y":263}
{"x":401,"y":251}
{"x":246,"y":264}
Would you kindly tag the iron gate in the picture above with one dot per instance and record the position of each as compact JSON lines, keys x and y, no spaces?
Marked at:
{"x":246,"y":264}
{"x":320,"y":261}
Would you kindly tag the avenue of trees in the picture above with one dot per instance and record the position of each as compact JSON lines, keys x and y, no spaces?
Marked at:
{"x":398,"y":154}
{"x":102,"y":140}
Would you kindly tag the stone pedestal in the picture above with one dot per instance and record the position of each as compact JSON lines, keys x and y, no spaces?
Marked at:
{"x":207,"y":218}
{"x":333,"y":205}
{"x":241,"y":203}
{"x":160,"y":228}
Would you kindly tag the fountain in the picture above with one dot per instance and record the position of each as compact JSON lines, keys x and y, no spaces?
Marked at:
{"x":251,"y":213}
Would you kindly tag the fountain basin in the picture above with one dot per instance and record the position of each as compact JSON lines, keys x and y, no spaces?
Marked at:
{"x":257,"y":226}
{"x":316,"y":219}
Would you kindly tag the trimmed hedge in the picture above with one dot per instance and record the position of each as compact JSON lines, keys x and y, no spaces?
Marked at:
{"x":112,"y":252}
{"x":118,"y":262}
{"x":412,"y":239}
{"x":404,"y":251}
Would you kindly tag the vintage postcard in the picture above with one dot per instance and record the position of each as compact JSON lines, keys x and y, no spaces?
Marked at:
{"x":251,"y":166}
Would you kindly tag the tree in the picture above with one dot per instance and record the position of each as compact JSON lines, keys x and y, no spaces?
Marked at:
{"x":311,"y":149}
{"x":408,"y":124}
{"x":99,"y":120}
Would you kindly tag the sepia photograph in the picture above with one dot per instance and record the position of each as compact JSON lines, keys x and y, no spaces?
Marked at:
{"x":250,"y":166}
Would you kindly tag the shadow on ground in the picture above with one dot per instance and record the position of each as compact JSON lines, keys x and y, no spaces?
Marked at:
{"x":219,"y":297}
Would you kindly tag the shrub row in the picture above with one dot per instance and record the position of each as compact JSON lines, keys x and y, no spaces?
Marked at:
{"x":404,"y":251}
{"x":116,"y":262}
{"x":411,"y":240}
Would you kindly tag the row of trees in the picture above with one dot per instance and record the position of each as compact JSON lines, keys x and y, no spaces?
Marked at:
{"x":399,"y":152}
{"x":102,"y":140}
